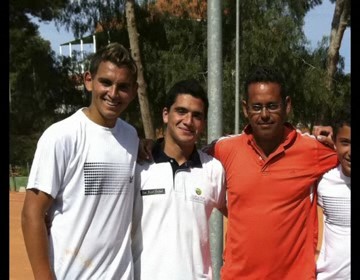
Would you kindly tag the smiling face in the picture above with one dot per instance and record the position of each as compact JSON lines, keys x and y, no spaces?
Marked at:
{"x":266,"y":111}
{"x":343,"y":148}
{"x":112,"y":88}
{"x":185,"y":120}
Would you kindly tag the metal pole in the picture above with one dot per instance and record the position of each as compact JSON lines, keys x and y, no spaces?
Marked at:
{"x":82,"y":49}
{"x":215,"y":77}
{"x":94,"y":43}
{"x":237,"y":73}
{"x":70,"y":50}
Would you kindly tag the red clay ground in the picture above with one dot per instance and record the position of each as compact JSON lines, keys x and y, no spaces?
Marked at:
{"x":19,"y":263}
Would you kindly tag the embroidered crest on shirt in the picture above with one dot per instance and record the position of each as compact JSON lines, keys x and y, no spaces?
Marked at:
{"x":197,"y":197}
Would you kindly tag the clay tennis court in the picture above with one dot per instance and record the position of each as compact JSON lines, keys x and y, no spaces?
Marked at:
{"x":19,"y":264}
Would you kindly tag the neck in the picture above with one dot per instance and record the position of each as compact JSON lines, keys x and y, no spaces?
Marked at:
{"x":94,"y":116}
{"x":268,"y":146}
{"x":177,"y":151}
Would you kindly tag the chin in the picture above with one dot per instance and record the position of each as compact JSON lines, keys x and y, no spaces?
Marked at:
{"x":346,"y":170}
{"x":112,"y":111}
{"x":266,"y":134}
{"x":187,"y":141}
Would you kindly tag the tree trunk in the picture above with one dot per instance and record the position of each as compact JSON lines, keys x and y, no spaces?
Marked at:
{"x":135,"y":52}
{"x":340,"y":21}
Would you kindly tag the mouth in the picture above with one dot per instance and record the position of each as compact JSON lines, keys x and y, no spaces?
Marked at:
{"x":187,"y":131}
{"x":111,"y":103}
{"x":265,"y":125}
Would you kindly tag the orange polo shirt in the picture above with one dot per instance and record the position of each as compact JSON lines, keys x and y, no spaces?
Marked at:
{"x":272,"y":219}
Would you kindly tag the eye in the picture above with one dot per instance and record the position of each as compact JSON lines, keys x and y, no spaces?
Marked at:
{"x":124,"y":87}
{"x":273,"y":106}
{"x":345,"y":142}
{"x":181,"y":111}
{"x":198,"y":115}
{"x":106,"y":83}
{"x":256,"y":107}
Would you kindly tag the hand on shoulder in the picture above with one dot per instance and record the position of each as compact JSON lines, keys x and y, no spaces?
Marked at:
{"x":324,"y":135}
{"x":144,"y":152}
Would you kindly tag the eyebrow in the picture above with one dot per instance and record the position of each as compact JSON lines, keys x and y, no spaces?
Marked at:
{"x":186,"y":109}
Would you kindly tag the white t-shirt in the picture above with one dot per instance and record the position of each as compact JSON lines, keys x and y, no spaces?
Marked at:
{"x":334,"y":192}
{"x":171,"y":218}
{"x":89,"y":171}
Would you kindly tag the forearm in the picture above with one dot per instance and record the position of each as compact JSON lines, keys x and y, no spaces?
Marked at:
{"x":320,"y":213}
{"x":36,"y":242}
{"x":35,"y":207}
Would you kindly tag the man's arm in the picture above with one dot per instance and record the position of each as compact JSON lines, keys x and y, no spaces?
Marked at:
{"x":209,"y":148}
{"x":144,"y":150}
{"x":324,"y":134}
{"x":320,"y":230}
{"x":35,"y":233}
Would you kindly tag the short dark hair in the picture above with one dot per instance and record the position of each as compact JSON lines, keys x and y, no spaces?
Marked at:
{"x":342,"y":118}
{"x":190,"y":86}
{"x":115,"y":53}
{"x":264,"y":73}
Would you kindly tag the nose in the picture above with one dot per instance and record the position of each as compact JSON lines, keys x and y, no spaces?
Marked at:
{"x":264,"y":112}
{"x":187,"y":118}
{"x":112,"y":91}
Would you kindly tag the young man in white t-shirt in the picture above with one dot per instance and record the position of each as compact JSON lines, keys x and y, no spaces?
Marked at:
{"x":334,"y":199}
{"x":176,"y":193}
{"x":82,"y":177}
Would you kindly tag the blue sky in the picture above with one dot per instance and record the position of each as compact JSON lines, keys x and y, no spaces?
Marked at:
{"x":317,"y":24}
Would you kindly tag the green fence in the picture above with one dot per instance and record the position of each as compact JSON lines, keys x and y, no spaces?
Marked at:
{"x":16,"y":182}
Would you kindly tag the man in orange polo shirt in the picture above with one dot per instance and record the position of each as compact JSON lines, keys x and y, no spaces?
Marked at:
{"x":271,"y":173}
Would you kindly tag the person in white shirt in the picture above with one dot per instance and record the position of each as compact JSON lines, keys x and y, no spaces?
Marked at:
{"x":176,"y":193}
{"x":82,"y":178}
{"x":334,"y":201}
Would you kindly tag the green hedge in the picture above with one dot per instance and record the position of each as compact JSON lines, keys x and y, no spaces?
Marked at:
{"x":17,"y":182}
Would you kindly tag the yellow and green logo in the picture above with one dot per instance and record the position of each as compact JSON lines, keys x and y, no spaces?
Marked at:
{"x":198,"y":191}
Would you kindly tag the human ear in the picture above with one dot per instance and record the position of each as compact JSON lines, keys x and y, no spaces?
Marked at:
{"x":88,"y":81}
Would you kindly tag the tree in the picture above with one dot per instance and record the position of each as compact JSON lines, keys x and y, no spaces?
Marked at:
{"x":172,"y":49}
{"x":136,"y":54}
{"x":111,"y":17}
{"x":39,"y":83}
{"x":270,"y":33}
{"x":172,"y":44}
{"x":42,"y":9}
{"x":37,"y":91}
{"x":189,"y":9}
{"x":340,"y":21}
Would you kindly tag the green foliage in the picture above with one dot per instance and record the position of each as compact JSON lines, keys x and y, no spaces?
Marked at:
{"x":43,"y":9}
{"x":22,"y":149}
{"x":271,"y":33}
{"x":84,"y":16}
{"x":182,"y":55}
{"x":171,"y":49}
{"x":39,"y":83}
